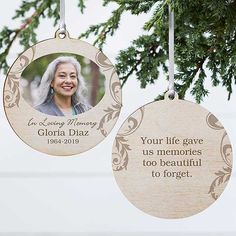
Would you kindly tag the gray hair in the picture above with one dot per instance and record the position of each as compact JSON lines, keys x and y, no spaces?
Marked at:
{"x":45,"y":85}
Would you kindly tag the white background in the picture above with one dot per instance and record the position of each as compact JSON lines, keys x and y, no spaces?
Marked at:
{"x":41,"y":193}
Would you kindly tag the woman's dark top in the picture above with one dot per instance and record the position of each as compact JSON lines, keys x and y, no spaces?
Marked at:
{"x":50,"y":108}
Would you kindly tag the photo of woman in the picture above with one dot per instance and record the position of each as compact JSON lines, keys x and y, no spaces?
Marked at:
{"x":62,"y":84}
{"x":62,"y":90}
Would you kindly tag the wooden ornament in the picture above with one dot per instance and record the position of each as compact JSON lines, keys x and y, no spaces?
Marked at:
{"x":62,"y":135}
{"x":172,"y":158}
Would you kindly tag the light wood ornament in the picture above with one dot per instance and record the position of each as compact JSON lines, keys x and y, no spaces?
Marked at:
{"x":172,"y":158}
{"x":65,"y":135}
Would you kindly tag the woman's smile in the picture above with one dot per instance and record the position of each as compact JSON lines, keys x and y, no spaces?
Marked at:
{"x":67,"y":87}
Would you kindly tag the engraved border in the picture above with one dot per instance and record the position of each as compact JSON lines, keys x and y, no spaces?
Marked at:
{"x":106,"y":119}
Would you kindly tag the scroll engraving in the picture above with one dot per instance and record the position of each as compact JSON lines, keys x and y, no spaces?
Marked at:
{"x":12,"y":90}
{"x":121,"y":155}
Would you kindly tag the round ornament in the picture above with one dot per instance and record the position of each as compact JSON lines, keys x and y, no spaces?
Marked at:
{"x":172,"y":158}
{"x":48,"y":126}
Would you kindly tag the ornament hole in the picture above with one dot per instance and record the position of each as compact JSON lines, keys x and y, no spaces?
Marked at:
{"x":62,"y":35}
{"x":171,"y":96}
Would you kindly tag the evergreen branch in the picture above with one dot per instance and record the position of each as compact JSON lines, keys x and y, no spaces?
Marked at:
{"x":135,"y":7}
{"x":205,"y":38}
{"x":102,"y":30}
{"x":157,"y":17}
{"x":108,"y":28}
{"x":138,"y":7}
{"x":198,"y":91}
{"x":24,"y":8}
{"x":188,"y":77}
{"x":5,"y":36}
{"x":144,"y":58}
{"x":3,"y":55}
{"x":132,"y":70}
{"x":81,"y":6}
{"x":26,"y":32}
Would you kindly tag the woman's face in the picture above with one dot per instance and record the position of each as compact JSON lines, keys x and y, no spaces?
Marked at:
{"x":65,"y":82}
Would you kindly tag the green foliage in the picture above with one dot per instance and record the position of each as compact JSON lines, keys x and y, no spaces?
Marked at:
{"x":144,"y":58}
{"x":81,"y":5}
{"x":26,"y":32}
{"x":104,"y":29}
{"x":205,"y":39}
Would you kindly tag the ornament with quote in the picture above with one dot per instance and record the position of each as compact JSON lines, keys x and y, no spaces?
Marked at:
{"x":172,"y":158}
{"x":45,"y":95}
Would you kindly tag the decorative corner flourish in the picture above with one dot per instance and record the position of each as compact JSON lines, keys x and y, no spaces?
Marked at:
{"x":12,"y":88}
{"x":213,"y":122}
{"x":12,"y":93}
{"x":103,"y":61}
{"x":120,"y":157}
{"x":222,"y":176}
{"x":113,"y":111}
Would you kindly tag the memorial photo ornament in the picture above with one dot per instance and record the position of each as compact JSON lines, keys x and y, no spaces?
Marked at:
{"x":46,"y":124}
{"x":172,"y":158}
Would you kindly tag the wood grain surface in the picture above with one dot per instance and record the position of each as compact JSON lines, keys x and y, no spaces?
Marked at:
{"x":62,"y":136}
{"x":172,"y":158}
